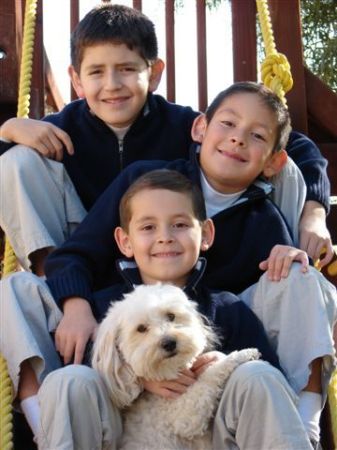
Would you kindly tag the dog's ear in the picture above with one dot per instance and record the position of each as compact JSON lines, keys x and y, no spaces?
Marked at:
{"x":122,"y":384}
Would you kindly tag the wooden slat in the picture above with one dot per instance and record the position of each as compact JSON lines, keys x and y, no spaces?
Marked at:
{"x":244,"y":40}
{"x":54,"y":97}
{"x":202,"y":54}
{"x":74,"y":18}
{"x":137,"y":4}
{"x":170,"y":51}
{"x":322,"y":104}
{"x":11,"y":43}
{"x":37,"y":86}
{"x":286,"y":20}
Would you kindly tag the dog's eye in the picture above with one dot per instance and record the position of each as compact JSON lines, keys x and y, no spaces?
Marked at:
{"x":141,"y":328}
{"x":170,"y":317}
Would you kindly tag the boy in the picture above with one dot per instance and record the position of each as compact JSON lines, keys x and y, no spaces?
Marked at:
{"x":242,"y":136}
{"x":164,"y":227}
{"x":115,"y":70}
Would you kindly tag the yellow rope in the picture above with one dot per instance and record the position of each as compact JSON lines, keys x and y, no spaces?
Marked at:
{"x":275,"y":69}
{"x":332,"y":393}
{"x":6,"y":434}
{"x":6,"y":393}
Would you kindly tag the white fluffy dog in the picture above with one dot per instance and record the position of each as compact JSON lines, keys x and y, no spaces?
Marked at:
{"x":154,"y":333}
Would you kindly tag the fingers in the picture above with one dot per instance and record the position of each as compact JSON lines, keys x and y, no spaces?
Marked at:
{"x":65,"y":140}
{"x":50,"y":141}
{"x":280,"y":261}
{"x":328,"y":254}
{"x":71,"y":348}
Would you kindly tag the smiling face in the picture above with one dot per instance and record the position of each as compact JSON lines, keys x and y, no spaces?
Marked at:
{"x":115,"y":82}
{"x":237,"y":143}
{"x":164,"y":236}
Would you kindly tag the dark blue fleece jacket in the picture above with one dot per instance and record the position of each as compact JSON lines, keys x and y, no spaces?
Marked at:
{"x":162,"y":131}
{"x":245,"y":235}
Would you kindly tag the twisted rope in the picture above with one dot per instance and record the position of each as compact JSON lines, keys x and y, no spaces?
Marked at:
{"x":10,"y":263}
{"x":275,"y":69}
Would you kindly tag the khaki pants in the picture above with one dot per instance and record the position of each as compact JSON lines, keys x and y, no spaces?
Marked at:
{"x":257,"y":411}
{"x":39,"y":205}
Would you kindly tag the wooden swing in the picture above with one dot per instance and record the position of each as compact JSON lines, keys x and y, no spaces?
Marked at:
{"x":275,"y":73}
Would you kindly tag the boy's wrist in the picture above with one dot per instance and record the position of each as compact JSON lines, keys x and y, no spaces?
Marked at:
{"x":72,"y":303}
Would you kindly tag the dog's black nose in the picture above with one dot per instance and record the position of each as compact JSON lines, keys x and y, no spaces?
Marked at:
{"x":169,"y":344}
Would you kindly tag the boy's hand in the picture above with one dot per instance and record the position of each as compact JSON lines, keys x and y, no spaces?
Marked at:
{"x":77,"y":326}
{"x":280,"y":260}
{"x":314,"y":235}
{"x":206,"y":360}
{"x":171,"y":388}
{"x":46,"y":138}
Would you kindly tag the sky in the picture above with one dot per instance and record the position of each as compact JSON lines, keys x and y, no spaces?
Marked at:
{"x":219,"y":49}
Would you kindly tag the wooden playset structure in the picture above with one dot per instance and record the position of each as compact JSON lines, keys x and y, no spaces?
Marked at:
{"x":27,"y":85}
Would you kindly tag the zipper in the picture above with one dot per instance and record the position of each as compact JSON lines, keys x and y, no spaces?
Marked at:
{"x":120,"y":151}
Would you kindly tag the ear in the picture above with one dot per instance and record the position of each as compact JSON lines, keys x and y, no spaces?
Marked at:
{"x":123,"y":242}
{"x":120,"y":380}
{"x":156,"y":72}
{"x":198,"y":128}
{"x":208,"y":233}
{"x":76,"y":81}
{"x":275,"y":163}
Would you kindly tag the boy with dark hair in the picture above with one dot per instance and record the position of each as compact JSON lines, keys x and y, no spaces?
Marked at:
{"x":115,"y":69}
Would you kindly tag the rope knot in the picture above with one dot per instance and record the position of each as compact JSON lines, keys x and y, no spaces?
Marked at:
{"x":276,"y":74}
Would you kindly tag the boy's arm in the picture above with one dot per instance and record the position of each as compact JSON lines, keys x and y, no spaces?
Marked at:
{"x":314,"y":235}
{"x":44,"y":137}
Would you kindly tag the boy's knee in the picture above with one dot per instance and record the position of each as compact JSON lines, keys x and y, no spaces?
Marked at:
{"x":74,"y":379}
{"x":18,"y":282}
{"x":257,"y":376}
{"x":18,"y":159}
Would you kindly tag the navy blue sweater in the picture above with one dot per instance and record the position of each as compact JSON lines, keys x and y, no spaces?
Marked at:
{"x":162,"y":131}
{"x":245,"y":234}
{"x":235,"y":324}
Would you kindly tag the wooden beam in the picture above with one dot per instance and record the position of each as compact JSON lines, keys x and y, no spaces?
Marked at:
{"x":202,"y":54}
{"x":36,"y":110}
{"x":322,"y":103}
{"x":10,"y":44}
{"x":286,"y":20}
{"x":244,"y":40}
{"x":170,"y":51}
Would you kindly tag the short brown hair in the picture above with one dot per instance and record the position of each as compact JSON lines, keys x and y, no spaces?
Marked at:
{"x":110,"y":23}
{"x":269,"y":99}
{"x":170,"y":180}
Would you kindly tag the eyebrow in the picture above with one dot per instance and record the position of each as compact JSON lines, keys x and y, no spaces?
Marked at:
{"x":175,"y":216}
{"x":234,"y":113}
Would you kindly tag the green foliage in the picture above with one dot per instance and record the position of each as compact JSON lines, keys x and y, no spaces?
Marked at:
{"x":319,"y":31}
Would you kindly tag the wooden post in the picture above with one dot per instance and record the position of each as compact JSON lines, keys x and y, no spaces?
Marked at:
{"x":286,"y":20}
{"x":244,"y":40}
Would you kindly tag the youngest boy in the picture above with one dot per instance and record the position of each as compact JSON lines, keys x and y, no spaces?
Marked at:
{"x":164,"y":227}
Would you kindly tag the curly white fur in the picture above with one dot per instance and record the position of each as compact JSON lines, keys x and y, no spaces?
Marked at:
{"x":154,"y":333}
